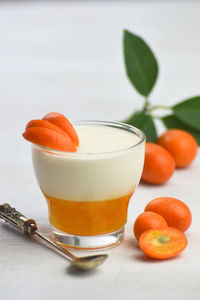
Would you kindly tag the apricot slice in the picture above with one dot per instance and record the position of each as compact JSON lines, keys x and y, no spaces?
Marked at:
{"x":62,"y":122}
{"x":49,"y":138}
{"x":44,"y":124}
{"x":162,"y":243}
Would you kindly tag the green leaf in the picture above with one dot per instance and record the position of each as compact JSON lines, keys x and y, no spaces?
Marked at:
{"x":171,"y":121}
{"x":140,"y":62}
{"x":145,"y":123}
{"x":188,"y":112}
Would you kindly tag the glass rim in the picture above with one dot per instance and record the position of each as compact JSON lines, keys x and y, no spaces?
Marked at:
{"x":116,"y":124}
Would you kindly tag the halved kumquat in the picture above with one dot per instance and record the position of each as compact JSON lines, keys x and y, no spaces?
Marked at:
{"x":162,"y":243}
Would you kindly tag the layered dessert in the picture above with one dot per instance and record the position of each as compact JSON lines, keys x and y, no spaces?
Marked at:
{"x":88,"y":190}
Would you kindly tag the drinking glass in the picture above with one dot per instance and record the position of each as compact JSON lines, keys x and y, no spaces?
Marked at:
{"x":88,"y":193}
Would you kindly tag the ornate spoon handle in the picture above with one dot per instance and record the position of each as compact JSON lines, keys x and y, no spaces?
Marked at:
{"x":17,"y":219}
{"x":29,"y":227}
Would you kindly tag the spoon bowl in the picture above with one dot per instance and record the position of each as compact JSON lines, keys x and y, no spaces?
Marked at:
{"x":89,"y":262}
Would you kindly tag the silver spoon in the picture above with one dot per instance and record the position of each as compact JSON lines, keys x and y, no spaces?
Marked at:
{"x":29,"y":227}
{"x":83,"y":263}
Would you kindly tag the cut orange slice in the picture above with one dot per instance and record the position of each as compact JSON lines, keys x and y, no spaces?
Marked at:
{"x":162,"y":243}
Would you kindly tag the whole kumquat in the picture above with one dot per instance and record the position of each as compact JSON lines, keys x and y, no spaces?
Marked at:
{"x":181,"y":144}
{"x":162,"y":243}
{"x":148,"y":220}
{"x":176,"y":213}
{"x":159,"y":165}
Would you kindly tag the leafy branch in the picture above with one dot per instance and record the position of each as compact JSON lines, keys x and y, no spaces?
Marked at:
{"x":142,"y":70}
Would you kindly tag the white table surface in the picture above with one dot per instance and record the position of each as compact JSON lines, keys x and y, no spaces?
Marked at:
{"x":67,"y":57}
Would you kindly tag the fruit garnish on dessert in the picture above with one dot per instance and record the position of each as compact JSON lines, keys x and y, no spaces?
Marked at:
{"x":53,"y":131}
{"x":44,"y":124}
{"x":63,"y":123}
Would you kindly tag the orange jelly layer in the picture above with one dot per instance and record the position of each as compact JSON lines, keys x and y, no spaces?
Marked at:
{"x":88,"y":217}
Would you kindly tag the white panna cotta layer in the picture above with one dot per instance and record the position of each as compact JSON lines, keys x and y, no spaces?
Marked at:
{"x":107,"y":165}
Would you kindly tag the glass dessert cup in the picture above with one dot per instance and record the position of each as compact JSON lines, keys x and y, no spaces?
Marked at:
{"x":88,"y":193}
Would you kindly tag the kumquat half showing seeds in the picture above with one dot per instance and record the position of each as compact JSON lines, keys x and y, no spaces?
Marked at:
{"x":162,"y":243}
{"x":159,"y":229}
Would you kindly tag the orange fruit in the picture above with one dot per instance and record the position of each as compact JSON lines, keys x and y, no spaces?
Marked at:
{"x":176,"y":213}
{"x":181,"y":144}
{"x":148,"y":220}
{"x":49,"y":138}
{"x":162,"y":243}
{"x":158,"y":165}
{"x":44,"y":124}
{"x":62,"y":122}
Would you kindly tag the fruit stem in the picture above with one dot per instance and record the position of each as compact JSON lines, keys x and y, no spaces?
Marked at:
{"x":147,"y":108}
{"x":160,"y":107}
{"x":156,"y":117}
{"x":146,"y":105}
